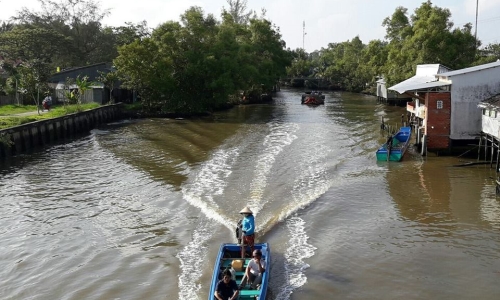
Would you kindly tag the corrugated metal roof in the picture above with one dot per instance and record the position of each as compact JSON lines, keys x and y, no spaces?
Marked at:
{"x":416,"y":86}
{"x":61,"y":86}
{"x":472,"y":69}
{"x":425,"y":73}
{"x":431,"y":69}
{"x":493,"y":102}
{"x":402,"y":86}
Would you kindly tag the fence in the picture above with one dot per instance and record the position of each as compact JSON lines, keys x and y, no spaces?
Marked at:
{"x":11,"y":99}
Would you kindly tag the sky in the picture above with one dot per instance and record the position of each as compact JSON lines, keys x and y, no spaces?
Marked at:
{"x":326,"y":21}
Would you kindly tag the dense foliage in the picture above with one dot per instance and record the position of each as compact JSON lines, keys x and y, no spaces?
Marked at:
{"x":193,"y":65}
{"x":200,"y":62}
{"x":197,"y":64}
{"x":425,"y":37}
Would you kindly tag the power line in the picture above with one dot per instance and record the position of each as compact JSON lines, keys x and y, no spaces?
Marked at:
{"x":480,"y":21}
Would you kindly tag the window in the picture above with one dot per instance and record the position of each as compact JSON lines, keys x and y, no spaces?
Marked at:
{"x":440,"y":104}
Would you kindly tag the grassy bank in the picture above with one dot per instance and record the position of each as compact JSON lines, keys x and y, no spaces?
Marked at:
{"x":9,"y":113}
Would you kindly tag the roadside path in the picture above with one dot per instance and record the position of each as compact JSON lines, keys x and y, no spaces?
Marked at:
{"x":29,"y":113}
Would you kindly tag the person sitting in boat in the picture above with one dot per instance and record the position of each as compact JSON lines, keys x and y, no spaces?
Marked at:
{"x":226,"y":287}
{"x":248,"y":230}
{"x":254,"y":271}
{"x":389,"y":142}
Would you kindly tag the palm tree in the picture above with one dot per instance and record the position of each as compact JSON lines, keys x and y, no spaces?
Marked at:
{"x":83,"y":85}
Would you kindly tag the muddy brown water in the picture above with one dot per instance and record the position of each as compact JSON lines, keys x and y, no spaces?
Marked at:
{"x":138,"y":209}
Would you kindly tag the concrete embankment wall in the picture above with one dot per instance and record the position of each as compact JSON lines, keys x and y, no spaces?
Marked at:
{"x":31,"y":136}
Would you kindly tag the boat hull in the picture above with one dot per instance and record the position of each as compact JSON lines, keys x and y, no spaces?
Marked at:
{"x":230,"y":252}
{"x":399,"y":145}
{"x":313,"y":98}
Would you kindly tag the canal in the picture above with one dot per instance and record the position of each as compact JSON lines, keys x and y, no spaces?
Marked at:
{"x":138,"y":209}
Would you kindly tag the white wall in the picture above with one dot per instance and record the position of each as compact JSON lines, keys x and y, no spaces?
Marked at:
{"x":467,"y":90}
{"x":491,"y":125}
{"x":383,"y":92}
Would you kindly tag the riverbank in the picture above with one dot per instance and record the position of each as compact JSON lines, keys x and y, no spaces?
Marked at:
{"x":14,"y":115}
{"x":27,"y":137}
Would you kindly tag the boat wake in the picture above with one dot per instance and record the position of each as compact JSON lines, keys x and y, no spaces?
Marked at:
{"x":297,"y":250}
{"x":314,"y":181}
{"x":281,"y":135}
{"x":210,"y":186}
{"x":191,"y":262}
{"x":209,"y":182}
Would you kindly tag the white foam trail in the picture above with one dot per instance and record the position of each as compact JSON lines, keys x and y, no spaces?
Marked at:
{"x":313,"y":182}
{"x":281,"y":135}
{"x":297,"y":250}
{"x":191,"y":262}
{"x":211,"y":181}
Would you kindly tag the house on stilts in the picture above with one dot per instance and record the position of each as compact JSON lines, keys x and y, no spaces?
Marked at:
{"x":444,"y":109}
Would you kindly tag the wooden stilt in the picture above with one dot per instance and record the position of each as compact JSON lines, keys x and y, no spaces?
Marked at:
{"x":479,"y":147}
{"x":485,"y":148}
{"x":492,"y":152}
{"x":498,"y":162}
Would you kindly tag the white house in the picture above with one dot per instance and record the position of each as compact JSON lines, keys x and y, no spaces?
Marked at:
{"x":470,"y":86}
{"x":490,"y":119}
{"x":446,"y":102}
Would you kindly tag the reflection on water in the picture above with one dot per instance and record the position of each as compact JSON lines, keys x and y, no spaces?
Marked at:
{"x":138,"y":209}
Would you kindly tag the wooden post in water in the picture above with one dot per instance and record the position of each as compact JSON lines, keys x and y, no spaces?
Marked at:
{"x":492,"y":151}
{"x":485,"y":148}
{"x":424,"y":145}
{"x":479,"y":147}
{"x":498,"y":162}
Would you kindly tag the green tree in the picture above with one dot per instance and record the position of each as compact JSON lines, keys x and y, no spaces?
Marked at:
{"x":109,"y":80}
{"x":427,"y":37}
{"x":30,"y":44}
{"x":301,"y":64}
{"x":77,"y":20}
{"x":345,"y":60}
{"x":488,"y":54}
{"x":143,"y":68}
{"x":374,"y":59}
{"x":268,"y":52}
{"x":33,"y":77}
{"x":6,"y":26}
{"x":83,"y":85}
{"x":238,"y":11}
{"x":197,"y":64}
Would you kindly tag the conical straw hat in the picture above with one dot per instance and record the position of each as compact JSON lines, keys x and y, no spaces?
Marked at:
{"x":246,"y":210}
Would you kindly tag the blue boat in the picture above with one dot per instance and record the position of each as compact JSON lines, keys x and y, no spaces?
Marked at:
{"x":229,"y":253}
{"x":396,"y":145}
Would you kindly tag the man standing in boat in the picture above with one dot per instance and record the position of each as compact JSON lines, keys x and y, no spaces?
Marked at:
{"x":248,"y":230}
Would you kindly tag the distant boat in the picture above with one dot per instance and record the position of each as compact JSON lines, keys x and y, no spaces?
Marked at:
{"x":230,"y":256}
{"x":396,"y":145}
{"x":313,"y":98}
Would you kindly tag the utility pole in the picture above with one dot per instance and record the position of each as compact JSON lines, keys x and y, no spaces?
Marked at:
{"x":475,"y":30}
{"x":303,"y":34}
